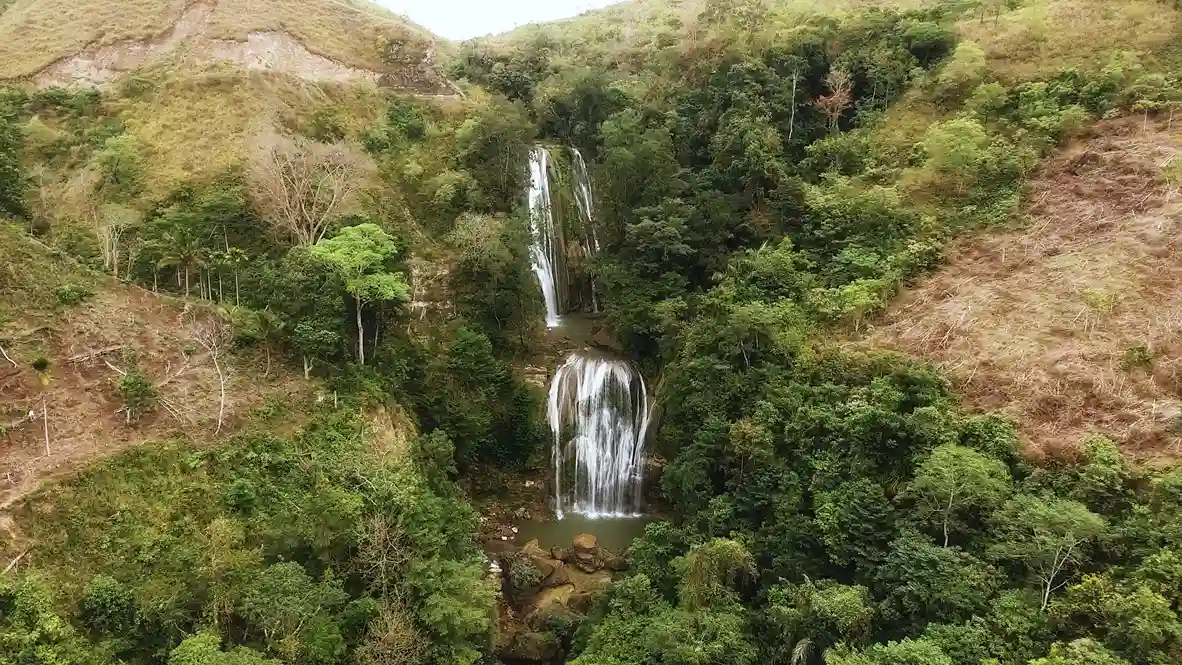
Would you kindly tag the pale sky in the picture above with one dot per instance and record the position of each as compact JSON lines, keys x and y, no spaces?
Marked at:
{"x":465,"y":19}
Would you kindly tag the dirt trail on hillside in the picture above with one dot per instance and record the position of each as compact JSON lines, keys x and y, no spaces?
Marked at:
{"x":1074,"y":324}
{"x":189,"y":38}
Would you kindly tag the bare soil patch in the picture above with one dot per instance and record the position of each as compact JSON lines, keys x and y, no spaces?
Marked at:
{"x":76,"y":402}
{"x":1074,"y":324}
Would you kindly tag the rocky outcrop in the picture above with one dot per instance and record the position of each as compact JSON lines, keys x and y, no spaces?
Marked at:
{"x":585,"y":553}
{"x":547,"y":594}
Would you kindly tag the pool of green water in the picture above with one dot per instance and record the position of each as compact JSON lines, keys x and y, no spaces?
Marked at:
{"x":614,"y":533}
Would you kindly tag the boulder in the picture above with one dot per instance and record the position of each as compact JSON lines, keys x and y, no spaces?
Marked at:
{"x":545,"y":566}
{"x":533,"y":549}
{"x":561,"y":553}
{"x":580,"y":602}
{"x":588,"y":563}
{"x":499,"y":548}
{"x":612,"y":561}
{"x":586,"y":553}
{"x":558,"y":577}
{"x":585,"y":542}
{"x":530,"y":647}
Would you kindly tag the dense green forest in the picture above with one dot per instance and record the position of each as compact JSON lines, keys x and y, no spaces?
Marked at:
{"x":821,"y":503}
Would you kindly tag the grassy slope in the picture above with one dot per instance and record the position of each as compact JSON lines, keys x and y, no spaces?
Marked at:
{"x":35,"y":33}
{"x":194,"y":125}
{"x":129,"y":325}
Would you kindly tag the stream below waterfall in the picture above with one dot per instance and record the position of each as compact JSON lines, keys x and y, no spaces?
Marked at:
{"x":615,"y":534}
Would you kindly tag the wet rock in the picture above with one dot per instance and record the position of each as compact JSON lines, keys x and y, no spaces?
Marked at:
{"x":586,"y":555}
{"x":587,"y":563}
{"x":580,"y":602}
{"x":545,"y":566}
{"x":612,"y":561}
{"x":533,"y":549}
{"x":558,"y":577}
{"x":499,"y":548}
{"x":530,"y":647}
{"x":585,"y":542}
{"x":521,"y":513}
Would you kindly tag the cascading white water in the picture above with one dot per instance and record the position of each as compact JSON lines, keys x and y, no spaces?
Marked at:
{"x":546,"y":245}
{"x":586,"y":204}
{"x":598,"y":412}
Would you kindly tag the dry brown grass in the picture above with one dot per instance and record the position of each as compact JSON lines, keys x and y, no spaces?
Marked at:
{"x":199,"y":124}
{"x":1038,"y":322}
{"x":1044,"y":36}
{"x":36,"y":33}
{"x":82,"y":400}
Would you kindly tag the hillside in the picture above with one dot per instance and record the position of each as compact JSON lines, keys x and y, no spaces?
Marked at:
{"x":70,"y":335}
{"x":881,"y":297}
{"x":1070,"y":323}
{"x":195,"y":83}
{"x":59,"y":42}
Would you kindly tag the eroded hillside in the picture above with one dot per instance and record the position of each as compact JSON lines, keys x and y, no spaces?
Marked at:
{"x":1073,"y":323}
{"x":70,"y":338}
{"x":96,"y":41}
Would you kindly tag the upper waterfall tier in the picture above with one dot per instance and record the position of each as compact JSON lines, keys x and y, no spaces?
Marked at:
{"x":565,"y":237}
{"x":598,"y":413}
{"x":546,"y":250}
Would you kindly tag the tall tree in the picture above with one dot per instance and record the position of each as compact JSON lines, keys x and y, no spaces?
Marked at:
{"x":1047,"y":537}
{"x":360,"y":254}
{"x":954,"y":480}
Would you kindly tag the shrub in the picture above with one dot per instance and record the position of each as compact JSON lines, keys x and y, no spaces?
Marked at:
{"x":523,"y":577}
{"x":108,"y":607}
{"x":72,"y":294}
{"x":1137,"y":355}
{"x":139,"y":394}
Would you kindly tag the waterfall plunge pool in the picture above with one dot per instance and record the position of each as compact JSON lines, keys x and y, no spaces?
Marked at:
{"x":614,"y":533}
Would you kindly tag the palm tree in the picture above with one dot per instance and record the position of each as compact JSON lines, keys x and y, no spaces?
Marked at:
{"x":182,"y":246}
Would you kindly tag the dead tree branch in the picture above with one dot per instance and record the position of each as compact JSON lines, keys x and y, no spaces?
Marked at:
{"x":12,"y":564}
{"x":215,"y":336}
{"x":90,"y":355}
{"x":301,"y":186}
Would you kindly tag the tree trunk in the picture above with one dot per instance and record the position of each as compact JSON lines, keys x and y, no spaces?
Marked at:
{"x":307,"y":368}
{"x":360,"y":334}
{"x":237,"y":302}
{"x":222,"y":387}
{"x":186,"y":281}
{"x":792,"y":118}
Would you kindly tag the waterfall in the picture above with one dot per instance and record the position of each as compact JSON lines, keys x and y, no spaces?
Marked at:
{"x":586,"y":204}
{"x":545,"y":252}
{"x":598,"y":413}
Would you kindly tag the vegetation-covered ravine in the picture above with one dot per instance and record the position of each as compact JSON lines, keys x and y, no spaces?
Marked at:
{"x":265,"y":358}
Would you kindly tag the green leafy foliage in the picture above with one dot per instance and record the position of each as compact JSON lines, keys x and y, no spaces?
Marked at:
{"x":12,"y":171}
{"x":259,"y":545}
{"x":359,"y":254}
{"x":139,"y":394}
